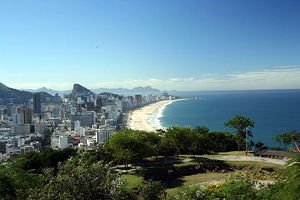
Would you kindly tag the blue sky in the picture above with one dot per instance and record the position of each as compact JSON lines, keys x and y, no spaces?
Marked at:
{"x":168,"y":44}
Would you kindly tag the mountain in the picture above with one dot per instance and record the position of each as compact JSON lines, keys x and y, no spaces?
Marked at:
{"x":124,"y":91}
{"x":146,"y":90}
{"x":109,"y":94}
{"x":79,"y":90}
{"x":120,"y":91}
{"x":50,"y":91}
{"x":10,"y":95}
{"x":111,"y":90}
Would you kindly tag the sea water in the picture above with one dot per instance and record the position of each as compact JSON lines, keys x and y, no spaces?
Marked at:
{"x":273,"y":111}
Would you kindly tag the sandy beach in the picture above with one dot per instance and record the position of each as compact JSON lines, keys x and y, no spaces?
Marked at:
{"x":146,"y":118}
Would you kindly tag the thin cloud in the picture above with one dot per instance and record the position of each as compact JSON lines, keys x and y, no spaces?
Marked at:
{"x":279,"y":77}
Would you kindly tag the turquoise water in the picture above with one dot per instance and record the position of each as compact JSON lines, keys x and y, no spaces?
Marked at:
{"x":274,"y":111}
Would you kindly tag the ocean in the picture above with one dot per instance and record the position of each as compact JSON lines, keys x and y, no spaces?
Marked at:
{"x":273,"y":111}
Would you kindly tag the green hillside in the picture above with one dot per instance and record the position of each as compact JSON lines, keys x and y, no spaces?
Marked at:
{"x":10,"y":95}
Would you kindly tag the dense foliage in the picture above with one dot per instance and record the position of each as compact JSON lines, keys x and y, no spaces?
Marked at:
{"x":288,"y":138}
{"x":77,"y":179}
{"x":131,"y":146}
{"x":19,"y":174}
{"x":88,"y":174}
{"x":152,"y":190}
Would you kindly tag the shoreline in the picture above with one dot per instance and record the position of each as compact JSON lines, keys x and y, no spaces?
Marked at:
{"x":147,"y":117}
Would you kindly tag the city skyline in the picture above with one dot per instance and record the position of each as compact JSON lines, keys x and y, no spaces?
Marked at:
{"x":169,"y":45}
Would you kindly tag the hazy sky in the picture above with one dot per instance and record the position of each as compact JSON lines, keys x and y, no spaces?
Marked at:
{"x":168,"y":44}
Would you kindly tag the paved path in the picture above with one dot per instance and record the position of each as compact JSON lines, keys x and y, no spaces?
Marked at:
{"x":252,"y":158}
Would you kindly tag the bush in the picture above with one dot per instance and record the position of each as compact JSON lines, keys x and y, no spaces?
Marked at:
{"x":191,"y":193}
{"x":152,"y":190}
{"x":78,"y":179}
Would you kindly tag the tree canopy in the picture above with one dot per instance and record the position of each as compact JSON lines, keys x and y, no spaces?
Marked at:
{"x":132,"y":146}
{"x":288,"y":138}
{"x":242,"y":124}
{"x":78,"y":179}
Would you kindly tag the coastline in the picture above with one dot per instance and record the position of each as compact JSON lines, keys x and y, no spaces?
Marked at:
{"x":147,"y":117}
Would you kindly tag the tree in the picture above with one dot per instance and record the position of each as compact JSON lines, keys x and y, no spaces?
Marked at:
{"x":258,"y":145}
{"x":241,"y":124}
{"x":288,"y":138}
{"x":201,"y":130}
{"x":221,"y":141}
{"x":199,"y":144}
{"x":47,"y":138}
{"x":37,"y":161}
{"x":167,"y":147}
{"x":99,"y":153}
{"x":181,"y":138}
{"x":16,"y":182}
{"x":77,"y":179}
{"x":133,"y":146}
{"x":7,"y":189}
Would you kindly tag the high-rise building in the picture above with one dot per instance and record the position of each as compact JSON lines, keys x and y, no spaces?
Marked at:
{"x":25,"y":114}
{"x":76,"y":125}
{"x":139,"y":99}
{"x":86,"y":119}
{"x":37,"y":108}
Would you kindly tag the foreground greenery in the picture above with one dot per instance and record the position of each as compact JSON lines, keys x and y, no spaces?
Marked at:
{"x":91,"y":174}
{"x":77,"y":178}
{"x":286,"y":187}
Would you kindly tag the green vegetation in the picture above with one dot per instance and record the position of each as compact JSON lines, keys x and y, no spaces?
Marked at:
{"x":133,"y":146}
{"x":288,"y":138}
{"x":17,"y":96}
{"x":198,"y":179}
{"x":77,"y":179}
{"x":245,"y":186}
{"x":242,"y":124}
{"x":132,"y":180}
{"x":152,"y":190}
{"x":163,"y":165}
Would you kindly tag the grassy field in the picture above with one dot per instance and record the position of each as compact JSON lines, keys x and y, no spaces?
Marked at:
{"x":133,"y":180}
{"x":173,"y":184}
{"x":257,"y":164}
{"x":198,"y":179}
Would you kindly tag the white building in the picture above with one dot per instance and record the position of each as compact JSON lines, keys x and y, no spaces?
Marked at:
{"x":59,"y":141}
{"x":103,"y":134}
{"x":76,"y":125}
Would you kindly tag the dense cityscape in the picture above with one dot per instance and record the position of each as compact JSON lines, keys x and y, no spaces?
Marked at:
{"x":81,"y":119}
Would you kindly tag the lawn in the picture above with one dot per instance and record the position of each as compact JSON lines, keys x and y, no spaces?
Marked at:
{"x":133,"y":180}
{"x":175,"y":182}
{"x":198,"y":179}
